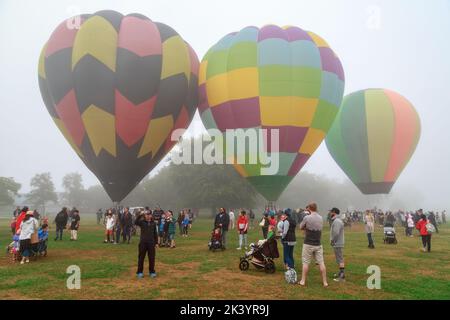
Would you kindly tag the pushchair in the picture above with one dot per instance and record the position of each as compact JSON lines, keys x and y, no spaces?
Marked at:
{"x":389,"y":234}
{"x":261,"y":256}
{"x":216,"y":240}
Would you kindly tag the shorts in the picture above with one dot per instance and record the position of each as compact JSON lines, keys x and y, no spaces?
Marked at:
{"x":109,"y":232}
{"x":309,"y":251}
{"x":339,"y":254}
{"x":171,"y":236}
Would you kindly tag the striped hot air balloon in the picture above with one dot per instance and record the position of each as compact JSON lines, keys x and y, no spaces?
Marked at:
{"x":373,"y":137}
{"x":116,"y":87}
{"x":272,"y":78}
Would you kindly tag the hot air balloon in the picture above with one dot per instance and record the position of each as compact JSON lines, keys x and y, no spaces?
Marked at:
{"x":272,"y":78}
{"x":117,"y":86}
{"x":373,"y":137}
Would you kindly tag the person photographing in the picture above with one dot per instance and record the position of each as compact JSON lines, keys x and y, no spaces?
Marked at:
{"x":147,"y":243}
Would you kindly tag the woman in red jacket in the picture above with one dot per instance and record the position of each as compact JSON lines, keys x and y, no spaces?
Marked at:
{"x":426,"y":236}
{"x":242,"y":228}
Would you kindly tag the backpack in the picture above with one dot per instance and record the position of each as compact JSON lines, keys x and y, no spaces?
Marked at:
{"x":430,"y":228}
{"x":291,"y":276}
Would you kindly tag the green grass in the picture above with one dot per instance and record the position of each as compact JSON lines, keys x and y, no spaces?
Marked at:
{"x":191,"y":271}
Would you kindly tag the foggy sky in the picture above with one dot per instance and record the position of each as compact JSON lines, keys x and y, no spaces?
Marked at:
{"x":400,"y":45}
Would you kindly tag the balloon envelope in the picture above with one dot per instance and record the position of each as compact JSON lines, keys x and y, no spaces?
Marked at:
{"x":116,"y":87}
{"x":373,"y":138}
{"x":272,"y":78}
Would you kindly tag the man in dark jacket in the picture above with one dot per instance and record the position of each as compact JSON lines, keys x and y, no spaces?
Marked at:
{"x":147,"y":244}
{"x":127,"y":224}
{"x":61,"y":221}
{"x":222,"y":221}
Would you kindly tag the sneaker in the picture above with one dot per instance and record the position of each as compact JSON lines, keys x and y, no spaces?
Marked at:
{"x":239,"y":248}
{"x":153,"y":274}
{"x":424,"y":249}
{"x":22,"y":262}
{"x":140,"y":275}
{"x":27,"y":261}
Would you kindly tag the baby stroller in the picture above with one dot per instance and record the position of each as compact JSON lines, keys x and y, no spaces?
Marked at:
{"x":261,"y":256}
{"x":216,"y":240}
{"x":389,"y":234}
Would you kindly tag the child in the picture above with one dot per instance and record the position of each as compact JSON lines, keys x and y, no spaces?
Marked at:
{"x":13,"y":249}
{"x":242,"y":227}
{"x":185,"y":225}
{"x":161,"y":230}
{"x":171,"y":230}
{"x":109,"y":225}
{"x":43,"y":236}
{"x":74,"y":225}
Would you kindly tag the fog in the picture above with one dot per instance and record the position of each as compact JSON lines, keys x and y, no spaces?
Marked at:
{"x":401,"y":45}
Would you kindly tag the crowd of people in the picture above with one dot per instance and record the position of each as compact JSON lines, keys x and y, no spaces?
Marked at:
{"x":282,"y":224}
{"x":157,"y":228}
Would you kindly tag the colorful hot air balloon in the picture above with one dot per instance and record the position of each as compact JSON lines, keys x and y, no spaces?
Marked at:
{"x":116,"y":87}
{"x":272,"y":78}
{"x":373,"y":137}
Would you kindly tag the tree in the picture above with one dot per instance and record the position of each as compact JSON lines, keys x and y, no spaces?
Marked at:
{"x":42,"y":190}
{"x":8,"y":189}
{"x":74,"y":192}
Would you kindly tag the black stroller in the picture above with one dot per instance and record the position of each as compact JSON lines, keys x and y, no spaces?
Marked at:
{"x":389,"y":234}
{"x":261,"y":256}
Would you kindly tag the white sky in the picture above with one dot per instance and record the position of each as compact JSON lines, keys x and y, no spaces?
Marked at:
{"x":402,"y":45}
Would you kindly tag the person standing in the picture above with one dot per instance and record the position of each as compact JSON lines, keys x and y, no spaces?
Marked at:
{"x":16,"y":212}
{"x":109,"y":227}
{"x":432,"y":219}
{"x":444,"y":219}
{"x":171,"y":230}
{"x":180,"y":219}
{"x":337,"y":242}
{"x":232,"y":219}
{"x":21,"y":217}
{"x":185,"y":224}
{"x":147,"y":243}
{"x":222,"y":221}
{"x":127,"y":225}
{"x":424,"y":233}
{"x":265,"y":224}
{"x":28,"y":227}
{"x":288,"y":238}
{"x":75,"y":225}
{"x":99,"y":215}
{"x":409,"y":224}
{"x":252,"y":218}
{"x":61,"y":222}
{"x":242,"y":228}
{"x":312,"y":246}
{"x":369,"y":227}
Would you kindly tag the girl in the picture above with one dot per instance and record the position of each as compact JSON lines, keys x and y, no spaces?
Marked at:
{"x":426,"y":236}
{"x":185,"y":224}
{"x":109,"y":227}
{"x":242,"y":228}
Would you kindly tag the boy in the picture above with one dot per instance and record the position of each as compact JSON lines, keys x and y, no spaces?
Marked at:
{"x":74,"y":225}
{"x":109,"y":227}
{"x":43,"y":236}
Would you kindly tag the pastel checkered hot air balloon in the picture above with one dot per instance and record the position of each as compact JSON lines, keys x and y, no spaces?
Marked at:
{"x":373,"y":137}
{"x":272,"y":78}
{"x":116,"y":87}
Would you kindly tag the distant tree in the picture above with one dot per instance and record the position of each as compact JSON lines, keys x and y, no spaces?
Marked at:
{"x":8,"y":189}
{"x":42,"y":191}
{"x":96,"y":198}
{"x":74,"y":192}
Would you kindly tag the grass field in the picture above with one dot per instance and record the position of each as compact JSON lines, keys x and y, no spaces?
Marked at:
{"x":191,"y":271}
